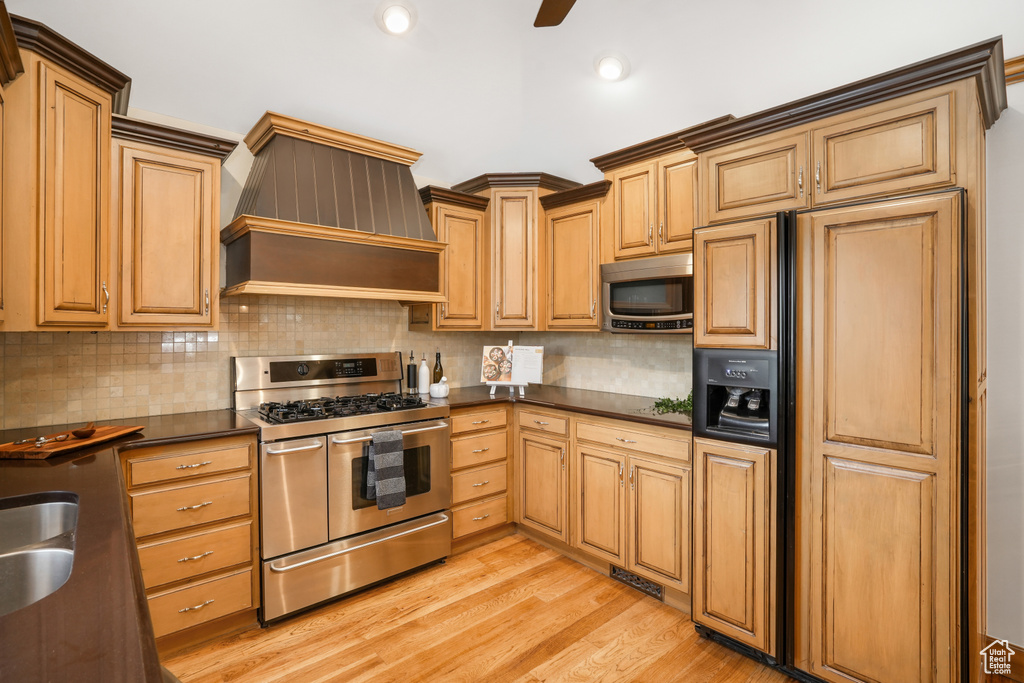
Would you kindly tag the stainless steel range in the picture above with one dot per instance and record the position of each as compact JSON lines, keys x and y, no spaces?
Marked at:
{"x":320,"y":535}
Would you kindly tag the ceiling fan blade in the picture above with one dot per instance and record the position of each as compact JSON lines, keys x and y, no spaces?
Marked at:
{"x":552,"y":12}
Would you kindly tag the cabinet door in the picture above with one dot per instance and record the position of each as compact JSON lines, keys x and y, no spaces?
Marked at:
{"x":659,"y":522}
{"x":755,"y":178}
{"x":75,"y":169}
{"x":167,"y":225}
{"x":514,"y":227}
{"x":677,"y":202}
{"x":462,"y":267}
{"x":733,"y":285}
{"x":573,"y":267}
{"x":734,"y":542}
{"x":878,"y":423}
{"x":889,"y":151}
{"x":600,"y":503}
{"x":1,"y":205}
{"x":633,"y":201}
{"x":543,"y":486}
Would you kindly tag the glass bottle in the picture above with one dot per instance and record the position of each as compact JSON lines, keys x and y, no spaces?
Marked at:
{"x":438,"y":370}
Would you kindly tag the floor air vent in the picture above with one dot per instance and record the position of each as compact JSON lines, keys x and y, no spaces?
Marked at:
{"x":643,"y":585}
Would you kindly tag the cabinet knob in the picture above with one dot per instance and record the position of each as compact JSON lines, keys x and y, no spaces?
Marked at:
{"x":624,"y":440}
{"x":106,"y":294}
{"x":195,"y":507}
{"x":477,"y":519}
{"x":483,"y":483}
{"x":207,"y":297}
{"x":482,"y":450}
{"x":442,"y":311}
{"x":817,"y":176}
{"x":561,"y":457}
{"x":800,"y":180}
{"x":622,"y":481}
{"x":190,"y":467}
{"x":593,"y":309}
{"x":632,"y":484}
{"x":191,"y":609}
{"x":196,"y":557}
{"x":661,"y":232}
{"x":650,"y":233}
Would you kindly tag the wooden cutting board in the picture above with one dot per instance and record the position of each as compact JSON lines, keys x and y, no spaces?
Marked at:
{"x":29,"y":451}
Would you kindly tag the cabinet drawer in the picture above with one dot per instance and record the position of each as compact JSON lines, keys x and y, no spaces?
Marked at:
{"x":636,"y":441}
{"x":478,"y":450}
{"x":201,"y":602}
{"x":543,"y":423}
{"x":185,"y":506}
{"x":478,"y":483}
{"x":170,"y":467}
{"x":479,"y":516}
{"x":489,"y":419}
{"x":188,"y":556}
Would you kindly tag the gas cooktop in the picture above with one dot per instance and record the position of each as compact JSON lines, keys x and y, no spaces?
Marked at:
{"x":338,"y":406}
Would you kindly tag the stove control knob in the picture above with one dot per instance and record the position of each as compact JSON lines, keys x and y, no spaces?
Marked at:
{"x":303,"y":369}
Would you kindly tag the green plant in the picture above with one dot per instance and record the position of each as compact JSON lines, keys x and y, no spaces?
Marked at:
{"x":674,"y":405}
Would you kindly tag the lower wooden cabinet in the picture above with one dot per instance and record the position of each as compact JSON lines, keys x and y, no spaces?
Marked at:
{"x":734,"y":538}
{"x":480,"y":469}
{"x":601,"y":503}
{"x":193,"y":508}
{"x":543,"y":482}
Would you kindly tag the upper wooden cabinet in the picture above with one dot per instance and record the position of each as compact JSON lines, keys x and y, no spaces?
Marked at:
{"x":654,"y":206}
{"x":513,"y":215}
{"x":896,"y":146}
{"x":734,"y":285}
{"x":166,"y":217}
{"x":572,"y":267}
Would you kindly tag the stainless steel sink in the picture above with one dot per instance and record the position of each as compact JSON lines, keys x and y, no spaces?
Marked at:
{"x":37,"y":546}
{"x":27,"y":576}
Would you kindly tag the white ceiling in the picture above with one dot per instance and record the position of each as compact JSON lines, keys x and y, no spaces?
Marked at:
{"x":477,"y":88}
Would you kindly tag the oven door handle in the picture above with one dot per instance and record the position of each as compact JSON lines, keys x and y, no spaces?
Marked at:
{"x":336,"y":440}
{"x":297,"y":449}
{"x":287,"y":568}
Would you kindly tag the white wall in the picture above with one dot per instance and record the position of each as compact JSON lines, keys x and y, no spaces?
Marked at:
{"x":1005,"y":225}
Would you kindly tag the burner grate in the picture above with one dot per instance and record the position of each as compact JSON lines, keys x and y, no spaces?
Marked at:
{"x":337,"y":406}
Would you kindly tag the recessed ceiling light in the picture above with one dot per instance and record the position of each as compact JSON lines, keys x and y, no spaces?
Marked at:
{"x":611,"y":66}
{"x":395,"y":17}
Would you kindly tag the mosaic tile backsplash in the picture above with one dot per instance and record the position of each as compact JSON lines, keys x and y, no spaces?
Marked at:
{"x":67,"y":377}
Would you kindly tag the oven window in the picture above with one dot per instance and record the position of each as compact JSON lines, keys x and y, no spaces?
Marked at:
{"x":649,"y":298}
{"x":417,"y":475}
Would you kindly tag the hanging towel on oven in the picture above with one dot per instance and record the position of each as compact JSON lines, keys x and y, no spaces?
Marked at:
{"x":385,"y":474}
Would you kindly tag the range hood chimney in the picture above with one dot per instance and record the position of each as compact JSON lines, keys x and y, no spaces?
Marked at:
{"x":330,"y":213}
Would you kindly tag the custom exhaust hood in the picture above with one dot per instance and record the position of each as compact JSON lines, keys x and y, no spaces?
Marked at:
{"x":330,"y":213}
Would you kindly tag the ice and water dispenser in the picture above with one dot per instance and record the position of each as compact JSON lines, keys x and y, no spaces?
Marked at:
{"x":736,"y":395}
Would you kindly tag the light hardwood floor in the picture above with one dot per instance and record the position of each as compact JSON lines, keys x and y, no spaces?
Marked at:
{"x":511,"y":610}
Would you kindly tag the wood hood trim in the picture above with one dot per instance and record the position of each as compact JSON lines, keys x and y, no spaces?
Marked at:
{"x":488,"y":181}
{"x":334,"y":292}
{"x":10,"y":57}
{"x":655,"y":147}
{"x":46,"y":42}
{"x":596,"y":190}
{"x":982,"y":61}
{"x":433,"y":193}
{"x":272,"y":123}
{"x":246,"y":224}
{"x":124,"y":128}
{"x":1015,"y":70}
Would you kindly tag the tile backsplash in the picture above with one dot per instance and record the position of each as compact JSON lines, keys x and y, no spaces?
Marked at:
{"x":60,"y":377}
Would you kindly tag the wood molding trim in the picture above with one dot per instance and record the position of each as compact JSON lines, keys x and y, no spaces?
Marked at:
{"x":10,"y":56}
{"x":982,"y":61}
{"x":125,"y":128}
{"x":433,"y":193}
{"x":655,"y":147}
{"x":487,"y":181}
{"x":46,"y":42}
{"x":272,"y":123}
{"x":334,"y":292}
{"x":1014,"y":70}
{"x":1016,"y":664}
{"x":582,"y":193}
{"x":243,"y":225}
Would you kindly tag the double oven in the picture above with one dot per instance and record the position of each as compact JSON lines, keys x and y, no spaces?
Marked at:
{"x":320,"y":536}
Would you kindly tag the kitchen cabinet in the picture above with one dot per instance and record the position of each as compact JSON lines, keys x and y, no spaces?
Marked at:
{"x":193,"y":510}
{"x":879,"y":479}
{"x":480,"y":464}
{"x":601,"y":503}
{"x":734,"y":280}
{"x":654,"y":205}
{"x":896,"y":146}
{"x":11,"y":67}
{"x":514,"y":253}
{"x":572,"y":265}
{"x":734,"y":538}
{"x":458,"y":220}
{"x":167,"y":209}
{"x":542,"y":472}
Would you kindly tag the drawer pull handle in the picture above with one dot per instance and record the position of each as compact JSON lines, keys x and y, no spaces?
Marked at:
{"x":195,"y":507}
{"x":482,"y":450}
{"x":481,"y":422}
{"x":477,"y":519}
{"x":624,"y":440}
{"x":542,"y":424}
{"x":483,"y":483}
{"x":197,"y":557}
{"x":198,"y":464}
{"x":192,"y":609}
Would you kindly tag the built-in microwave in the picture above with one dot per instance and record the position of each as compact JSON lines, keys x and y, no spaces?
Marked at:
{"x":651,"y":295}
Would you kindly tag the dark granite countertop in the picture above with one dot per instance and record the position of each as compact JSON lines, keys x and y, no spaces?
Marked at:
{"x":96,"y":627}
{"x":605,"y":404}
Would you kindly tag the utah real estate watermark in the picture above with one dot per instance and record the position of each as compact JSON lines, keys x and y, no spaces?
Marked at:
{"x":996,"y":657}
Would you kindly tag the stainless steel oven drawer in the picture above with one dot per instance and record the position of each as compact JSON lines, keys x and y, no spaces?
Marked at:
{"x":307,"y":578}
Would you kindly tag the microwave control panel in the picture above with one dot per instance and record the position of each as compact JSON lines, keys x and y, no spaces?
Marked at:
{"x":686,"y":324}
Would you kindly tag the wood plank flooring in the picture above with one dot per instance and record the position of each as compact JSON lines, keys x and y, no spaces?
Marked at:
{"x":511,"y":610}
